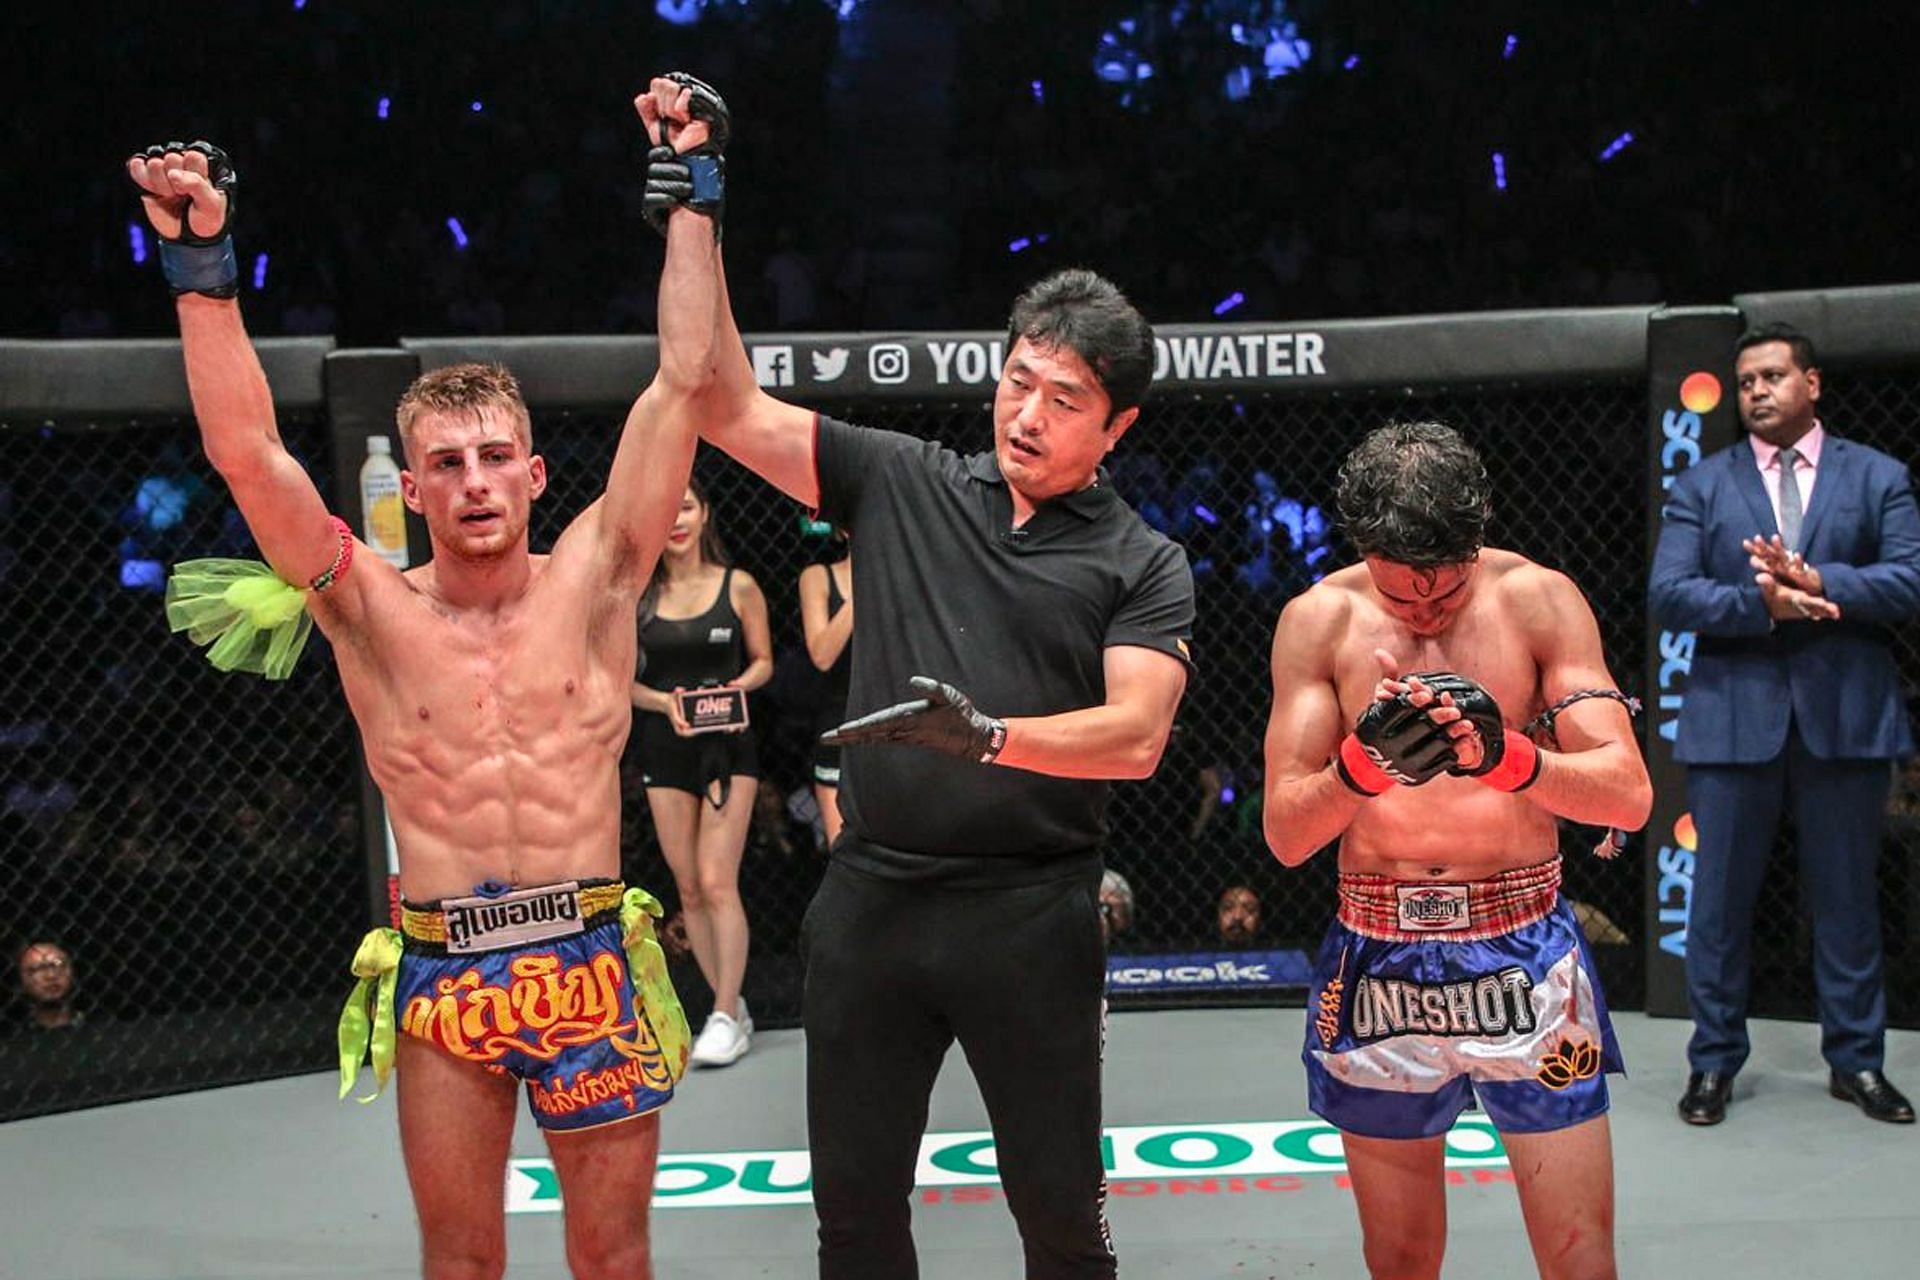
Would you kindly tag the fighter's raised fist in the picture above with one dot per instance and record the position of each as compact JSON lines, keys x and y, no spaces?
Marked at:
{"x":187,"y":190}
{"x":688,"y":124}
{"x":685,"y":113}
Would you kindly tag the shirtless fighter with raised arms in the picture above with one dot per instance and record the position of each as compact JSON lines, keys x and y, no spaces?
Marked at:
{"x":491,"y":689}
{"x":1454,"y":970}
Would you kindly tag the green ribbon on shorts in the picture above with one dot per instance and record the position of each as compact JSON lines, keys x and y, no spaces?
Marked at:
{"x":369,"y":1027}
{"x":654,"y":996}
{"x":367,"y":1024}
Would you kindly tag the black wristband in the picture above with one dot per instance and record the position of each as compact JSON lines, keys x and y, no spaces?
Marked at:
{"x":209,"y":269}
{"x":695,"y":181}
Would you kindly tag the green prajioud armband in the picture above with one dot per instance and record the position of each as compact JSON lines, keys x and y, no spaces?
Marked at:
{"x":253,"y":619}
{"x":247,"y":617}
{"x":368,"y":1028}
{"x":654,"y":996}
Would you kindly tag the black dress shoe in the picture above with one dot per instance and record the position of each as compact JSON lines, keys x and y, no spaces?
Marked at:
{"x":1705,"y":1101}
{"x":1870,"y":1091}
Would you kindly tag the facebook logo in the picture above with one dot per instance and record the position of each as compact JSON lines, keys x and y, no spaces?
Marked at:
{"x":773,"y":366}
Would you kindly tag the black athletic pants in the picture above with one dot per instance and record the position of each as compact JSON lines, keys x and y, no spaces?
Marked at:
{"x":896,"y":972}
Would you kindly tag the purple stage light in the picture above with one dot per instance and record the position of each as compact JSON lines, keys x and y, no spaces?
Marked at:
{"x":1285,"y":54}
{"x":1615,"y":147}
{"x":1353,"y":60}
{"x":259,"y":272}
{"x":1229,"y":302}
{"x":1040,"y":92}
{"x":1015,"y":246}
{"x":1513,"y":42}
{"x":137,"y":241}
{"x":382,"y":107}
{"x":1205,"y":513}
{"x":1499,"y":171}
{"x":459,"y":233}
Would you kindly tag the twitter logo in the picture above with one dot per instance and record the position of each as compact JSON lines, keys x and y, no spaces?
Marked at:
{"x":830,"y":364}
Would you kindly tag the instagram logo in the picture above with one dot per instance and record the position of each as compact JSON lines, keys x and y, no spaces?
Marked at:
{"x":887,"y":364}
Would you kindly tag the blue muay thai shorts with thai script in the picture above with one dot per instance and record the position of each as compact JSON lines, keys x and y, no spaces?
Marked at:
{"x":534,"y":984}
{"x":1427,"y":996}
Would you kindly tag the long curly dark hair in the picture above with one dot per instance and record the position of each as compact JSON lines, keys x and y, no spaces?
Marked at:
{"x":1415,"y":493}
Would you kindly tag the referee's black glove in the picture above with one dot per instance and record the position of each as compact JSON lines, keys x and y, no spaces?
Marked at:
{"x":943,"y":719}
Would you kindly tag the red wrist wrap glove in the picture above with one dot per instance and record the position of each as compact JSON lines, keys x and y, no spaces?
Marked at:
{"x":1509,"y":760}
{"x":1518,"y":767}
{"x":1392,"y":742}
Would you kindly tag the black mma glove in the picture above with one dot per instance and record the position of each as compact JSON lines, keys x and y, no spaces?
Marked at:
{"x":1508,"y":760}
{"x":194,"y":263}
{"x":943,"y":719}
{"x":694,"y":179}
{"x":1393,"y":742}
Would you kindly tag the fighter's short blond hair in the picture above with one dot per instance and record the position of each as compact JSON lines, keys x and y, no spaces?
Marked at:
{"x":464,"y":389}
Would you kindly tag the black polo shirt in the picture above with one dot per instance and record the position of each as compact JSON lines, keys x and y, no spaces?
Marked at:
{"x":1020,"y":620}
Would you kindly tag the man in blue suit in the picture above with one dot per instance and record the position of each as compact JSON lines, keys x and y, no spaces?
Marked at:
{"x":1791,"y":554}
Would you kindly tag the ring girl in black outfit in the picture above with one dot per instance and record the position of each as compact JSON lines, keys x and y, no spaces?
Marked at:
{"x":703,"y":623}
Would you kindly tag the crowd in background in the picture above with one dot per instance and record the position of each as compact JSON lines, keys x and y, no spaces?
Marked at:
{"x":915,"y":163}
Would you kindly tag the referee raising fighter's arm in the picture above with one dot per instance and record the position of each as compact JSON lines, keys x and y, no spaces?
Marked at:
{"x":1022,"y":636}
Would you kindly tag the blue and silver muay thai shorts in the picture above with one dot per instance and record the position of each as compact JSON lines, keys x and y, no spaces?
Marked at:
{"x":1428,"y":995}
{"x":535,"y":983}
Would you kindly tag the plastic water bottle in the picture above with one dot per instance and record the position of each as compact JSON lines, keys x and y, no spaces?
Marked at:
{"x":384,"y":512}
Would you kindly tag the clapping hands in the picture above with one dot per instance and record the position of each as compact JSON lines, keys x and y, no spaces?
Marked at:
{"x":1790,"y":586}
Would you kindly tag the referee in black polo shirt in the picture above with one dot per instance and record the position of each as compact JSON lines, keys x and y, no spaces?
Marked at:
{"x":1038,"y":630}
{"x":1021,"y":638}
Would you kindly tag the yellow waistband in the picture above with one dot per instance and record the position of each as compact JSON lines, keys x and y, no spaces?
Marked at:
{"x":429,"y":924}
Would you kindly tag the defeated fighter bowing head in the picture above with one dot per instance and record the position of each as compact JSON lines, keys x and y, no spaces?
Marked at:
{"x":1414,"y":500}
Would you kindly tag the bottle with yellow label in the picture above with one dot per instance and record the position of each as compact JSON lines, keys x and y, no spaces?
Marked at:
{"x":384,"y":513}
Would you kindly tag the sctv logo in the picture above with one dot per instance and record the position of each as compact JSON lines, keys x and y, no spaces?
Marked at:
{"x":1675,"y":892}
{"x":1680,"y":427}
{"x":1679,"y":449}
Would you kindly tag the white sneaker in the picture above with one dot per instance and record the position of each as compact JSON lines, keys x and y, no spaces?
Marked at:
{"x":722,"y":1041}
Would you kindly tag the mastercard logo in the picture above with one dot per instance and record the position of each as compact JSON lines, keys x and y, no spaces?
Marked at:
{"x":1700,"y":392}
{"x":1684,"y":835}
